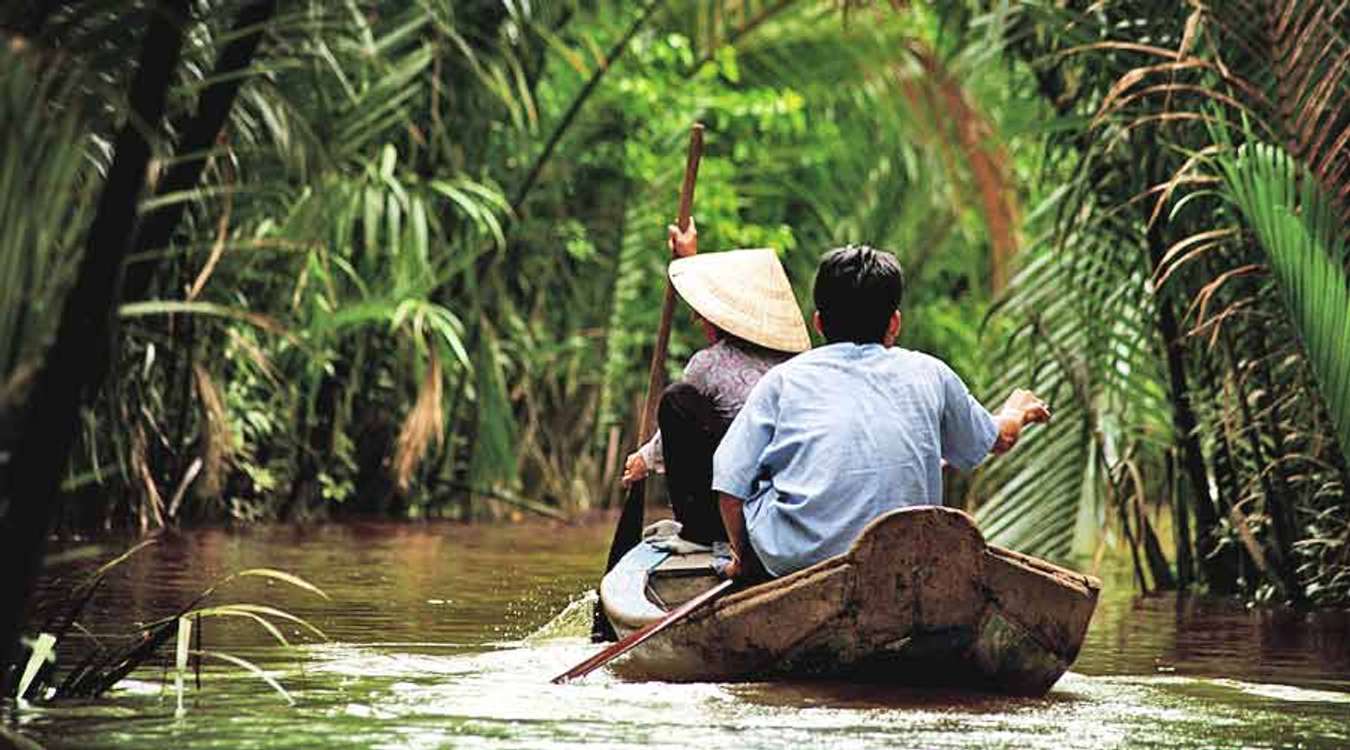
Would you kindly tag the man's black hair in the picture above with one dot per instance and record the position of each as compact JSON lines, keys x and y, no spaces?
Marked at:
{"x":857,"y":289}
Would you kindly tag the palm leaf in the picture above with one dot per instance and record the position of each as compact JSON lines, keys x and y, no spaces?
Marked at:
{"x":1084,"y":341}
{"x":44,"y":202}
{"x":1306,"y":245}
{"x":494,"y":456}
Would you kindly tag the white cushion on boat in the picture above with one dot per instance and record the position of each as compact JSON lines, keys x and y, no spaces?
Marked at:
{"x":665,"y":536}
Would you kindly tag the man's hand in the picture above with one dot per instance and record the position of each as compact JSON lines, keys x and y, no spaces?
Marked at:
{"x":732,"y":510}
{"x":1021,"y":409}
{"x":682,"y":244}
{"x":634,"y":469}
{"x":733,"y":569}
{"x":1027,"y":405}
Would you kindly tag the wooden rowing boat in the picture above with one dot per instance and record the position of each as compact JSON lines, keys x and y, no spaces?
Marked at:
{"x":919,"y":599}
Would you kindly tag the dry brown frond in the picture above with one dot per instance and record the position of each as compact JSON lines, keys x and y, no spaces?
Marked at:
{"x":217,"y":439}
{"x":1181,"y":177}
{"x":151,"y":505}
{"x":1168,"y":89}
{"x":1309,"y":58}
{"x":1188,"y":249}
{"x":217,"y":250}
{"x":423,"y":424}
{"x":984,"y":157}
{"x":255,"y":355}
{"x":1242,"y":525}
{"x":1200,"y":304}
{"x":1146,"y":49}
{"x":1136,"y":75}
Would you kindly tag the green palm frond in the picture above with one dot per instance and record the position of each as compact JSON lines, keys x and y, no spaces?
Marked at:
{"x":1307,"y":249}
{"x":1149,"y":85}
{"x":45,"y":199}
{"x":493,"y":457}
{"x":1084,"y":340}
{"x":638,"y":269}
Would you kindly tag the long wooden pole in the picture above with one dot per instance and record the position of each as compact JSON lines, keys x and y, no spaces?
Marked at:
{"x":657,"y":370}
{"x":628,"y":531}
{"x":638,"y":637}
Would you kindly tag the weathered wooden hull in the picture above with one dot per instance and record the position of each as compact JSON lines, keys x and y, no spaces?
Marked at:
{"x":919,"y":599}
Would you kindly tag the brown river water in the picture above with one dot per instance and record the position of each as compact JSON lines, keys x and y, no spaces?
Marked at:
{"x":445,"y":636}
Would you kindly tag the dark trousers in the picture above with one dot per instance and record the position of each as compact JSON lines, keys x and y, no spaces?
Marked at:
{"x":690,"y":432}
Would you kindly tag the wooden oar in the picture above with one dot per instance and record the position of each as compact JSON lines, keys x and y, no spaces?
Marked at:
{"x":628,"y":532}
{"x":636,"y":638}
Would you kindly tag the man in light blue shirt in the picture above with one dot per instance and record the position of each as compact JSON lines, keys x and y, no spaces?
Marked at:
{"x":841,"y":434}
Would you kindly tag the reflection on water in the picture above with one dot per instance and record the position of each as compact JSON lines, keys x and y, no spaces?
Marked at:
{"x":433,"y":643}
{"x":1216,"y":637}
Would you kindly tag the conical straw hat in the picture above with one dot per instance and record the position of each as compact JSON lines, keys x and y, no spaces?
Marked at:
{"x":745,"y":293}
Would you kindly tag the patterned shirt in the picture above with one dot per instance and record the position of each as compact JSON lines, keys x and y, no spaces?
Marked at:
{"x":840,"y":435}
{"x":724,"y":372}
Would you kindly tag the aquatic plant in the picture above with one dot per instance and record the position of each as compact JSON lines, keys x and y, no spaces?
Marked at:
{"x":36,"y":676}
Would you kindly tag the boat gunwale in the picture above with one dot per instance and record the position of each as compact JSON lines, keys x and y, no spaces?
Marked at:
{"x":1081,"y":583}
{"x":847,"y":558}
{"x":737,"y":596}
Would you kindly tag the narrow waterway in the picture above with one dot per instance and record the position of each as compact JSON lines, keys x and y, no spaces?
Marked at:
{"x":446,"y":636}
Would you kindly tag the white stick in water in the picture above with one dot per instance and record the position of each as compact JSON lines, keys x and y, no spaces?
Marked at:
{"x":180,"y":663}
{"x":43,"y":651}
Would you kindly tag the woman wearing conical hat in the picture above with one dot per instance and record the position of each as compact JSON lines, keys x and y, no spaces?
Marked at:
{"x":746,"y":308}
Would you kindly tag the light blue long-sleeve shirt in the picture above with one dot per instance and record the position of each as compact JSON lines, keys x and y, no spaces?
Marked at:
{"x":839,"y":435}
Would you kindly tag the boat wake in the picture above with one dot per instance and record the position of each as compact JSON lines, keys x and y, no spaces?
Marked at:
{"x":574,"y":621}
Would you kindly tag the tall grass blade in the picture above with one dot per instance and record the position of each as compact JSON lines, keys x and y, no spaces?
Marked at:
{"x":277,"y":575}
{"x":251,"y":667}
{"x":260,"y":609}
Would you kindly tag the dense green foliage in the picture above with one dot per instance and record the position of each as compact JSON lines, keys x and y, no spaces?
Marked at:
{"x":1151,"y":315}
{"x":393,"y":289}
{"x":422,"y":266}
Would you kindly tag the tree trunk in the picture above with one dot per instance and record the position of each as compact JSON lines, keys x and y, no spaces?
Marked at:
{"x":1218,"y":567}
{"x":200,"y":135}
{"x":1181,"y":526}
{"x":1227,"y":475}
{"x":1158,"y":567}
{"x":79,"y":358}
{"x":1279,"y":497}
